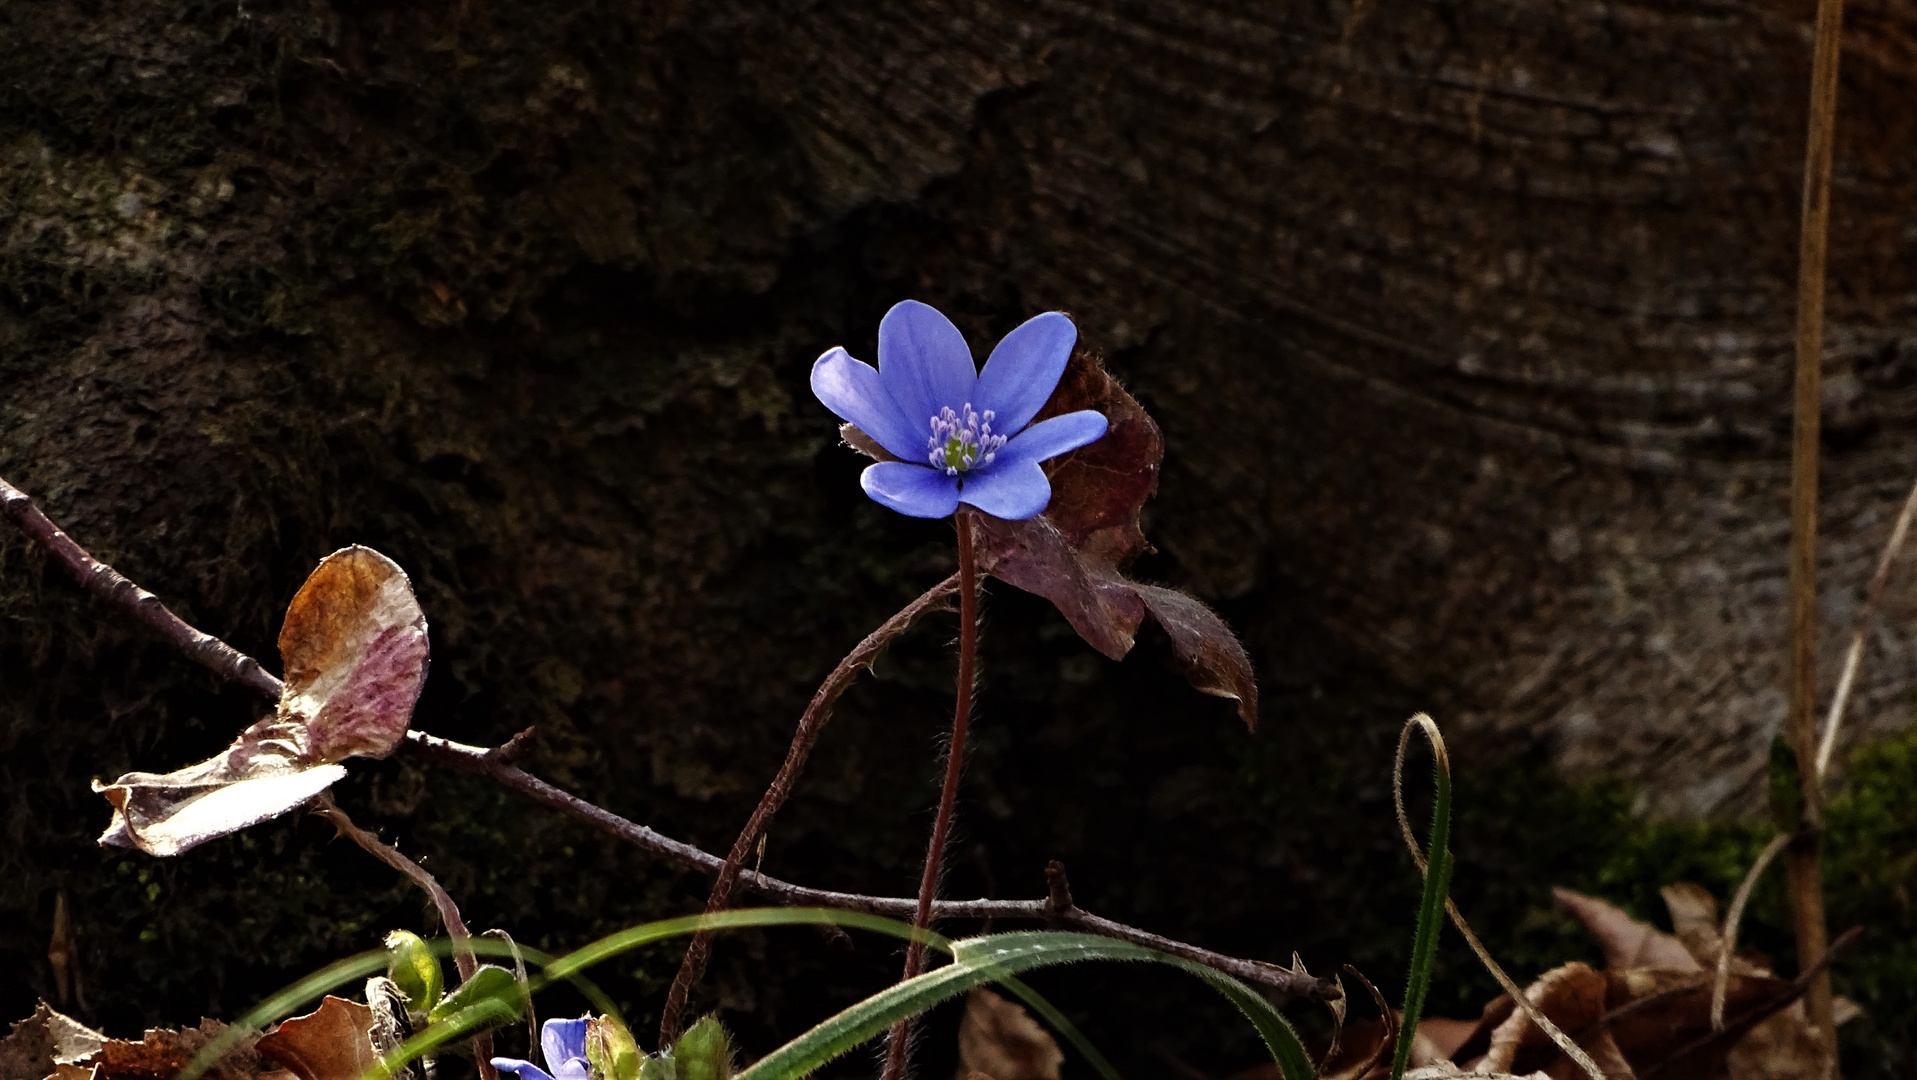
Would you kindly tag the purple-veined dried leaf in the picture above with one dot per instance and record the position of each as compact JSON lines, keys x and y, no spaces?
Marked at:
{"x":354,"y":648}
{"x":1075,"y":553}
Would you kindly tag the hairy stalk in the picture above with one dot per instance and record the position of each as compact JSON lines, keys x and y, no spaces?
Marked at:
{"x":497,"y":765}
{"x":324,"y":806}
{"x":1804,"y":857}
{"x":804,"y":737}
{"x":954,"y":766}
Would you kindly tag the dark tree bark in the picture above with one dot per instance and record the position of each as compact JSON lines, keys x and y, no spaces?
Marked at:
{"x":1468,"y":325}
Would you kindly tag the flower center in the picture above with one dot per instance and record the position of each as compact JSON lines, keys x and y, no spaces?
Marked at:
{"x":962,"y":441}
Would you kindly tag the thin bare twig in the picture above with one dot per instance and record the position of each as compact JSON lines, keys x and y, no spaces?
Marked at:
{"x":496,"y":765}
{"x":104,"y":582}
{"x":1892,"y":548}
{"x":1804,"y":857}
{"x":804,"y":737}
{"x":948,"y":793}
{"x":463,"y":958}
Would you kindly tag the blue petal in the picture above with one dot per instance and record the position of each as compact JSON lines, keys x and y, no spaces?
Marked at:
{"x":572,"y":1069}
{"x":852,"y":389}
{"x":1023,"y":370}
{"x":924,"y":363}
{"x":1051,"y":438}
{"x":526,"y":1069}
{"x":913,"y":490}
{"x":562,"y":1040}
{"x":1013,"y":490}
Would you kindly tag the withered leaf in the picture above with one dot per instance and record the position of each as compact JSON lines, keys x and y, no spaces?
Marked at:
{"x":354,"y":648}
{"x":161,"y":1054}
{"x":1075,"y":553}
{"x":1572,"y":997}
{"x":44,"y":1041}
{"x":333,"y":1042}
{"x":998,"y":1040}
{"x":1627,"y":942}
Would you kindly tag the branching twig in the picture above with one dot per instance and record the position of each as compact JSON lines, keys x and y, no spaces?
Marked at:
{"x":324,"y":806}
{"x":497,"y":766}
{"x":804,"y":737}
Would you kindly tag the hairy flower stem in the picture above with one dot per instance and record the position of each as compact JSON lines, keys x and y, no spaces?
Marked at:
{"x":954,"y":765}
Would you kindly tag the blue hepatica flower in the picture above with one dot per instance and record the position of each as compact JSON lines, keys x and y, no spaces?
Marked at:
{"x":564,"y":1044}
{"x":961,"y":434}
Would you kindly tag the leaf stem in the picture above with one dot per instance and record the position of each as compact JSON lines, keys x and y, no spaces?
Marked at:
{"x":954,"y":766}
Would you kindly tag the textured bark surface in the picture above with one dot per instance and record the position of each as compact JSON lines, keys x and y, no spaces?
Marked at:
{"x":1468,"y":326}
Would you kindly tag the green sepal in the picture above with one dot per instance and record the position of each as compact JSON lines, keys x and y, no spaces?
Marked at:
{"x":415,"y":970}
{"x":658,"y":1067}
{"x":493,"y":994}
{"x":704,"y":1052}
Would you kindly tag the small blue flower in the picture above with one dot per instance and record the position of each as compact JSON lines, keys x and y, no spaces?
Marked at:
{"x":961,"y":434}
{"x":564,"y":1044}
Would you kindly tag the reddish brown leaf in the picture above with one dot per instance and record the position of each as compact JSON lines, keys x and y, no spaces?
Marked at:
{"x":161,"y":1054}
{"x":998,"y":1040}
{"x":330,"y":1043}
{"x":1075,"y":553}
{"x":1213,"y":661}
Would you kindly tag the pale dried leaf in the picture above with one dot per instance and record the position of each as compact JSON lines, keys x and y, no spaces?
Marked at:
{"x":1694,"y":921}
{"x":43,"y":1041}
{"x":333,"y":1042}
{"x":354,"y":650}
{"x":997,"y":1038}
{"x":1627,"y":942}
{"x":258,"y":777}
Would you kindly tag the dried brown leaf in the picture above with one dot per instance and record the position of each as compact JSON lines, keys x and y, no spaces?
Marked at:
{"x":354,"y":647}
{"x":333,"y":1042}
{"x":1572,"y":997}
{"x":161,"y":1054}
{"x":997,"y":1039}
{"x":1627,"y":942}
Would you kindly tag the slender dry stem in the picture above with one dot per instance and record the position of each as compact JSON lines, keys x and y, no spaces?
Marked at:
{"x":1804,"y":856}
{"x":1727,"y":941}
{"x":1892,"y":548}
{"x":804,"y":737}
{"x":463,"y":958}
{"x":954,"y":767}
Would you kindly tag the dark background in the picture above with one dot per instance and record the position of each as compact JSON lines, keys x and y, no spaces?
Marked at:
{"x":1467,"y":325}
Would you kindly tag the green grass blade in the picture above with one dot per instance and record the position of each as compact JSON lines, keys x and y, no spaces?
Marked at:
{"x":1424,"y":946}
{"x":995,"y":959}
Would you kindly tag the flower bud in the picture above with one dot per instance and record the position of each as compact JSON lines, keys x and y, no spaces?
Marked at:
{"x":611,"y":1050}
{"x":411,"y":965}
{"x":704,"y":1052}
